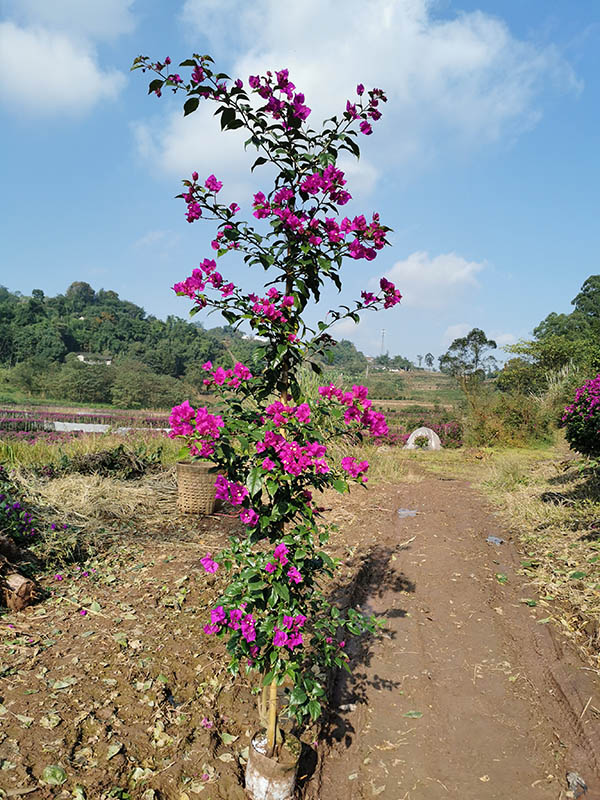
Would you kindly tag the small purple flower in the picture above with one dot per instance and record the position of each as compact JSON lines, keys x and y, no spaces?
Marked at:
{"x":280,"y":638}
{"x":294,"y":575}
{"x":249,"y":516}
{"x":208,"y":563}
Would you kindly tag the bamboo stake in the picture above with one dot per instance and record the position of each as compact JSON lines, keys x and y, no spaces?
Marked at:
{"x":272,"y":722}
{"x":262,"y":707}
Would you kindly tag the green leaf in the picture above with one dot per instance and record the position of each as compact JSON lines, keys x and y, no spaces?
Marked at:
{"x":227,"y":117}
{"x":54,"y":775}
{"x":113,"y":750}
{"x":260,"y":160}
{"x":154,"y":85}
{"x":254,"y":481}
{"x":282,"y":590}
{"x":190,"y":105}
{"x":413,"y":714}
{"x":314,"y":709}
{"x":576,"y":576}
{"x":298,"y":695}
{"x":268,"y":679}
{"x":340,"y":485}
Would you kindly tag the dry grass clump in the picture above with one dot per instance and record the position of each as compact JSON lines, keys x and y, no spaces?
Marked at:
{"x":386,"y":464}
{"x":94,"y":499}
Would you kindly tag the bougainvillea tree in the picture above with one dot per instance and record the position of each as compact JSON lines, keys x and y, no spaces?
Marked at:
{"x":272,"y":445}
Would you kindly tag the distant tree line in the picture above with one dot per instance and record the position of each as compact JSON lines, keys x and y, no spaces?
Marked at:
{"x":154,"y":362}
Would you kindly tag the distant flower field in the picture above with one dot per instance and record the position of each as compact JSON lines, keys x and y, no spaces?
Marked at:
{"x":32,"y":425}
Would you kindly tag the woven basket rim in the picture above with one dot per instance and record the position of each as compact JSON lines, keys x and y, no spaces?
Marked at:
{"x":203,"y":465}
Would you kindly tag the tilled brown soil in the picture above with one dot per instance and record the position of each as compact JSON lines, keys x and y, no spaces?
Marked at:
{"x":469,"y":693}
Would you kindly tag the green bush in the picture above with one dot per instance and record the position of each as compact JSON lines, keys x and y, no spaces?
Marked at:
{"x":136,"y":386}
{"x":494,"y":419}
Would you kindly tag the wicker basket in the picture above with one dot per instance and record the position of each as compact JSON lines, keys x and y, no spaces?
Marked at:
{"x":195,"y":487}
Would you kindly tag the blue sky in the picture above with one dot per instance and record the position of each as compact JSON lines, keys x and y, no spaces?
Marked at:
{"x":485,"y":164}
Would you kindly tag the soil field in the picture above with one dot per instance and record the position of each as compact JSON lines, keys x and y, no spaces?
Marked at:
{"x":469,"y":693}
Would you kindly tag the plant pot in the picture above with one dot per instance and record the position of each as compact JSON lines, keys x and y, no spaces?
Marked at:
{"x":269,"y":778}
{"x":195,"y":487}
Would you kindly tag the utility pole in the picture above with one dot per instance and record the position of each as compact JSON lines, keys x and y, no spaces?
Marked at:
{"x":382,"y":340}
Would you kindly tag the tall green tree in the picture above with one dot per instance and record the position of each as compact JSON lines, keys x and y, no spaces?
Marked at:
{"x":468,"y":359}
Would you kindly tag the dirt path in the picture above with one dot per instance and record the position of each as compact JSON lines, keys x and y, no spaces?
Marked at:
{"x":470,"y":694}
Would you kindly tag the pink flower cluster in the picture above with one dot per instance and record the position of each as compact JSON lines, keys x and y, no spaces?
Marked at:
{"x":249,"y":517}
{"x":237,"y":620}
{"x":201,"y":277}
{"x":211,"y":184}
{"x":294,"y":457}
{"x":587,"y":400}
{"x":285,"y":107}
{"x":279,"y":412}
{"x":267,"y":308}
{"x":358,"y":408}
{"x":330,"y":182}
{"x":234,"y":492}
{"x":355,"y":468}
{"x":232,"y":378}
{"x":370,"y":111}
{"x":315,"y":229}
{"x":391,"y":295}
{"x":290,"y":636}
{"x":205,"y":426}
{"x":280,"y":559}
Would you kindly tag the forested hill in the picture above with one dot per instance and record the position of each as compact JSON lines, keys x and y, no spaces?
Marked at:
{"x":41,"y":336}
{"x":85,"y":321}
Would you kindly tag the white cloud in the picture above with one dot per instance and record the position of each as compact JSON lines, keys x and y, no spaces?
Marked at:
{"x":502,"y":339}
{"x":151,"y":239}
{"x":157,"y":245}
{"x":467,"y":79}
{"x":95,"y":19}
{"x":181,"y":145}
{"x":456,"y":331}
{"x":434,"y":283}
{"x":460,"y":82}
{"x":47,"y":73}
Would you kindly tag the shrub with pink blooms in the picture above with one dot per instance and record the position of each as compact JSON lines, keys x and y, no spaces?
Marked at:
{"x":271,"y":445}
{"x":581,"y":419}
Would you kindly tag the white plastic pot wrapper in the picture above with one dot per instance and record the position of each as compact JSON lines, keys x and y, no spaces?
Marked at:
{"x":268,"y":778}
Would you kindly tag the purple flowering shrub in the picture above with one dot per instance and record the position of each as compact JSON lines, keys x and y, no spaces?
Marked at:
{"x":581,"y":419}
{"x":16,"y":519}
{"x":271,"y":445}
